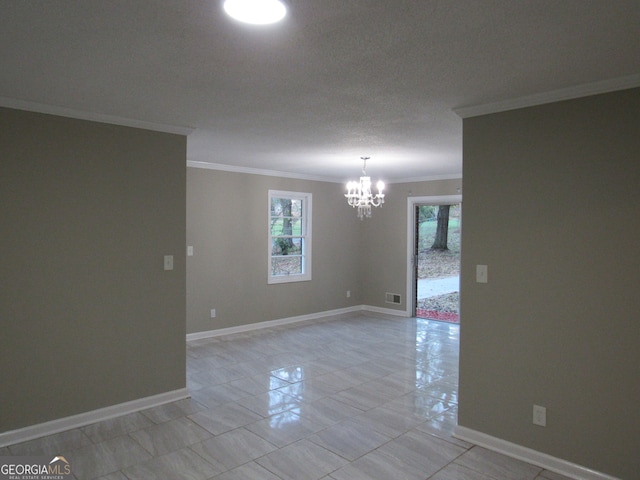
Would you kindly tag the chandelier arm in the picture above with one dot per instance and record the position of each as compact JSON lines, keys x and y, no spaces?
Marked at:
{"x":359,"y":193}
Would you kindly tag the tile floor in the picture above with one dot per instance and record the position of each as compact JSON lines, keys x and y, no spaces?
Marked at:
{"x":362,"y":396}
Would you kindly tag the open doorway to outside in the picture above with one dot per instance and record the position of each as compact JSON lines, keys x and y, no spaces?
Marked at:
{"x":435,"y":261}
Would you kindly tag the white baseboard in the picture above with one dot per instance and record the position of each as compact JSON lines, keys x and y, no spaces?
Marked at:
{"x":386,"y":311}
{"x":270,"y":323}
{"x":528,"y":455}
{"x":285,"y":321}
{"x":61,"y":424}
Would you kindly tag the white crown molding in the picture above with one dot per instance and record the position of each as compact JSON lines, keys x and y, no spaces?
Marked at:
{"x":67,"y":423}
{"x":259,"y":171}
{"x":92,"y":116}
{"x":584,"y":90}
{"x":431,"y":178}
{"x":528,"y":455}
{"x":317,"y":178}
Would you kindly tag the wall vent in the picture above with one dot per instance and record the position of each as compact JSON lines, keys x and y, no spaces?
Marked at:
{"x":393,"y":298}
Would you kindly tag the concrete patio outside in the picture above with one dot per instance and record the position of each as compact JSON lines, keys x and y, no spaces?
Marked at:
{"x":432,"y":287}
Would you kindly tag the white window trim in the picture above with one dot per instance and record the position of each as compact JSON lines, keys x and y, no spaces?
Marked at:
{"x":307,"y":203}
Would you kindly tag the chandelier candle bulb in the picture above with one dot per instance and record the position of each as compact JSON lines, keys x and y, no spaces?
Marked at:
{"x":359,"y":193}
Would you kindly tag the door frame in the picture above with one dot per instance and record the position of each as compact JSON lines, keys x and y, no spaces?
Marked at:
{"x":412,"y":203}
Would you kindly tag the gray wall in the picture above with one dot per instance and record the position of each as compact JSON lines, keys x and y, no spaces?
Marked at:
{"x":384,"y":258}
{"x":227,"y":226}
{"x":552,"y":206}
{"x":89,"y":318}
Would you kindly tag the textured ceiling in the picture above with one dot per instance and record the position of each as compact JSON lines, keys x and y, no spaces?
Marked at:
{"x":338,"y":79}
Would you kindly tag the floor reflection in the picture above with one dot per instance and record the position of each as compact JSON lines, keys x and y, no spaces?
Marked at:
{"x":286,"y":404}
{"x":357,"y":396}
{"x":436,"y":353}
{"x":285,"y":418}
{"x":387,"y":373}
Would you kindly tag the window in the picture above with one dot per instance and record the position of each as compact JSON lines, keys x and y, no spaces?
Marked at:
{"x":289,"y":237}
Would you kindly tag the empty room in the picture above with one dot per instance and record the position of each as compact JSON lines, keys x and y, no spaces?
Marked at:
{"x":212,"y":217}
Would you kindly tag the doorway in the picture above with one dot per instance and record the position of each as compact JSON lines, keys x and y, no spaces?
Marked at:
{"x":434,"y":257}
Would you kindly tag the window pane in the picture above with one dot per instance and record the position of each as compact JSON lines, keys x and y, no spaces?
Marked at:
{"x":276,"y":226}
{"x":285,"y":226}
{"x":296,"y":226}
{"x":276,"y":206}
{"x":289,"y":237}
{"x":286,"y":207}
{"x":296,"y":208}
{"x":287,"y":246}
{"x":286,"y":265}
{"x":296,"y":246}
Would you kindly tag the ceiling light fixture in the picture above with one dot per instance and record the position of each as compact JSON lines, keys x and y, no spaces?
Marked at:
{"x":256,"y":12}
{"x":359,"y":193}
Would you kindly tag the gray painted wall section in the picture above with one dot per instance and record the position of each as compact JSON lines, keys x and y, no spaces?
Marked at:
{"x":384,"y":258}
{"x":89,"y":317}
{"x":227,"y":226}
{"x":551,"y":205}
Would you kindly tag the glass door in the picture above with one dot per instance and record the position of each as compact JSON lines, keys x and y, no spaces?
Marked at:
{"x":437,"y":262}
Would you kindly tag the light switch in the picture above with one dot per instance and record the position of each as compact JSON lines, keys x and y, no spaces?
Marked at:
{"x":189,"y":251}
{"x":168,"y":262}
{"x":482,"y":275}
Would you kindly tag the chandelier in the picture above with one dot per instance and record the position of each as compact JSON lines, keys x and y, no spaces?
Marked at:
{"x":359,"y":193}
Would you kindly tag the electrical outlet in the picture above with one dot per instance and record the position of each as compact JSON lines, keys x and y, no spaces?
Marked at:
{"x":539,"y":416}
{"x":168,"y":262}
{"x":213,"y":313}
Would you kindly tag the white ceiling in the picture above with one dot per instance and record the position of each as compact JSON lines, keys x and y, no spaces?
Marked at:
{"x":338,"y":79}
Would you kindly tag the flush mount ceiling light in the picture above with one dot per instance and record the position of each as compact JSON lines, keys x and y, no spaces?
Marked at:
{"x":256,"y":12}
